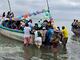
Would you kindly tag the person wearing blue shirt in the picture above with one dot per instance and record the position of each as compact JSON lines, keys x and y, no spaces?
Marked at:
{"x":48,"y":36}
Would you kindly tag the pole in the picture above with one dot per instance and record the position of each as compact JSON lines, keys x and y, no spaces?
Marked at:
{"x":9,"y":5}
{"x":48,"y":9}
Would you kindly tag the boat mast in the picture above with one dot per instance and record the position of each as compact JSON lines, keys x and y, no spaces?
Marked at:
{"x":47,"y":2}
{"x":9,"y":5}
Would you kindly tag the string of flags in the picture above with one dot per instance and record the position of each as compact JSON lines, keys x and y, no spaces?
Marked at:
{"x":30,"y":14}
{"x":34,"y":13}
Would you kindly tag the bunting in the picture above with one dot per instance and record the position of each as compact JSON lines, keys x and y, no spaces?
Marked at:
{"x":32,"y":14}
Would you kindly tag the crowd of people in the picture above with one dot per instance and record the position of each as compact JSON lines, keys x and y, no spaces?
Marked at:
{"x":8,"y":15}
{"x":45,"y":32}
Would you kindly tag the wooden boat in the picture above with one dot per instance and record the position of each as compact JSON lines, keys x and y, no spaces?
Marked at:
{"x":11,"y":33}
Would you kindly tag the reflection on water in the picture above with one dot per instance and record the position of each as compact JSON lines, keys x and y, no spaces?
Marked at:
{"x":34,"y":53}
{"x":14,"y":50}
{"x":75,"y":38}
{"x":10,"y":49}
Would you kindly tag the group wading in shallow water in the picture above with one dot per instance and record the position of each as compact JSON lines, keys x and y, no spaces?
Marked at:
{"x":47,"y":35}
{"x":42,"y":34}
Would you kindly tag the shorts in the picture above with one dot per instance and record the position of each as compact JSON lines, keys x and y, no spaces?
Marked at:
{"x":27,"y":40}
{"x":38,"y":41}
{"x":55,"y":44}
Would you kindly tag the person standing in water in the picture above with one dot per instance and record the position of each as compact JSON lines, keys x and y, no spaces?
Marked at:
{"x":60,"y":34}
{"x":65,"y":36}
{"x":27,"y":35}
{"x":48,"y":36}
{"x":30,"y":24}
{"x":43,"y":34}
{"x":38,"y":38}
{"x":55,"y":43}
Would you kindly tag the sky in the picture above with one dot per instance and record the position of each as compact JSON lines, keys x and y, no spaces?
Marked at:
{"x":60,"y":9}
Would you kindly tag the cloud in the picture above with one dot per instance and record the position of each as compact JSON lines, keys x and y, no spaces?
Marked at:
{"x":64,"y":8}
{"x":77,"y":1}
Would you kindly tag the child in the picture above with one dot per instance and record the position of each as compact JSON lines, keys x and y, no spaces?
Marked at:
{"x":38,"y":39}
{"x":27,"y":35}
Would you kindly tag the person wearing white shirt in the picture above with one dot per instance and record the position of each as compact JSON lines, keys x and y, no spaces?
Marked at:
{"x":38,"y":39}
{"x":27,"y":35}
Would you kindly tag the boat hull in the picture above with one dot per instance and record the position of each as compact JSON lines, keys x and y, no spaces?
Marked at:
{"x":11,"y":34}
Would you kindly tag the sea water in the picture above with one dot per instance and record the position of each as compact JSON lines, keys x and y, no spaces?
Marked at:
{"x":13,"y":50}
